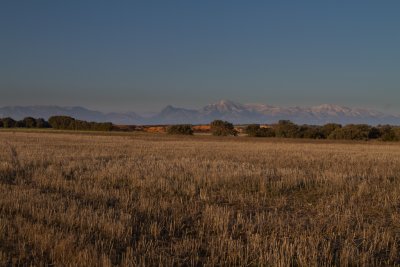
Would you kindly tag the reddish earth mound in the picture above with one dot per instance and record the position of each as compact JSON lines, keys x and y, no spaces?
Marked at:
{"x":201,"y":128}
{"x":155,"y":129}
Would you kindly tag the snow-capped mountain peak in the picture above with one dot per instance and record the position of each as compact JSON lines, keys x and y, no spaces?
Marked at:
{"x":224,"y":106}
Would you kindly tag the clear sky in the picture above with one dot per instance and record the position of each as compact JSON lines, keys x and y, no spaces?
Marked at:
{"x":143,"y":55}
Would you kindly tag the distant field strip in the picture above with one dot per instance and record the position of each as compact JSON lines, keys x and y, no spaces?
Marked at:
{"x":151,"y":199}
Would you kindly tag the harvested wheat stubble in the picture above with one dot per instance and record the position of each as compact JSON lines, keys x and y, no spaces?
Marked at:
{"x":146,"y":200}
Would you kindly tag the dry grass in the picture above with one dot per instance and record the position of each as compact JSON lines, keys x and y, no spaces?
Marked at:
{"x":149,"y":200}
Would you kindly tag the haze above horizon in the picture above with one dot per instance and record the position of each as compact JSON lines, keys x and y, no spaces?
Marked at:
{"x":142,"y":56}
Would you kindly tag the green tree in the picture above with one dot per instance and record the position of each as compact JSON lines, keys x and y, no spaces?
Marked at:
{"x":397,"y":132}
{"x":41,"y":123}
{"x":327,"y":129}
{"x":287,"y":129}
{"x":20,"y":124}
{"x":68,"y":123}
{"x":252,"y":129}
{"x":222,"y":128}
{"x":29,"y":122}
{"x":374,"y":133}
{"x":351,"y":132}
{"x":255,"y":130}
{"x":103,"y":126}
{"x":311,"y":132}
{"x":8,"y":122}
{"x":183,"y":129}
{"x":62,"y":122}
{"x":388,"y":133}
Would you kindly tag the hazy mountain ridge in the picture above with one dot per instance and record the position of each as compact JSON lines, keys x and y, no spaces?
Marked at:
{"x":81,"y":113}
{"x":174,"y":115}
{"x":224,"y":109}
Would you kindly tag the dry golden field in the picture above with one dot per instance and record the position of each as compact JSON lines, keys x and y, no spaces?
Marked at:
{"x":155,"y":200}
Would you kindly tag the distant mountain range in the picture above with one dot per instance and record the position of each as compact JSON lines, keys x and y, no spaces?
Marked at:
{"x":224,"y":109}
{"x":81,"y":113}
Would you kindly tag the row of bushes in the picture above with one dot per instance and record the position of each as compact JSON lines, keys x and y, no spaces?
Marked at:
{"x":68,"y":123}
{"x":283,"y":129}
{"x":217,"y":127}
{"x":183,"y":129}
{"x":28,"y":122}
{"x":56,"y":122}
{"x":287,"y":129}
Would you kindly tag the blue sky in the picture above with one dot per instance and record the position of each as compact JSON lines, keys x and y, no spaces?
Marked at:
{"x":143,"y":55}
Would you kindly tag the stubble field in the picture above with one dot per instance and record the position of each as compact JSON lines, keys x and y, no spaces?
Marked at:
{"x":150,"y":200}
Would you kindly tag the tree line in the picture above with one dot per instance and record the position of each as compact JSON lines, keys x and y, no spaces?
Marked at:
{"x":282,"y":129}
{"x":56,"y":122}
{"x":288,"y":129}
{"x":27,"y":122}
{"x":217,"y":128}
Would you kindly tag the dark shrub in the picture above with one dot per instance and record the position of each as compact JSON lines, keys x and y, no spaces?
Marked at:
{"x":252,"y":129}
{"x":256,"y":131}
{"x":8,"y":123}
{"x":374,"y":133}
{"x":327,"y":129}
{"x":104,"y":126}
{"x":41,"y":123}
{"x":266,"y":132}
{"x":62,"y":122}
{"x":222,"y":128}
{"x":287,"y":129}
{"x":68,"y":123}
{"x":91,"y":126}
{"x":311,"y":132}
{"x":84,"y":125}
{"x":397,"y":132}
{"x":184,"y":129}
{"x":351,"y":132}
{"x":20,"y":124}
{"x":29,"y":122}
{"x":388,"y":133}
